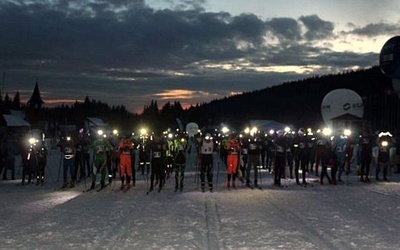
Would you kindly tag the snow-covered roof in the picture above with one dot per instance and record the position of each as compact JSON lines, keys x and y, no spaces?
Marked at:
{"x":15,"y":121}
{"x":94,"y":121}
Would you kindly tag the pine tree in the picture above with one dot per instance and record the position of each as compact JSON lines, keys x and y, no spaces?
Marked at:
{"x":16,"y":103}
{"x":36,"y":100}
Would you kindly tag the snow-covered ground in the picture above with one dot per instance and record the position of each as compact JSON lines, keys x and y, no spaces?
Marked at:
{"x":346,"y":216}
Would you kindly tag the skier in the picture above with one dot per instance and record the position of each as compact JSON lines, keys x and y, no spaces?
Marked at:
{"x":222,"y":148}
{"x":365,"y":145}
{"x":144,"y":158}
{"x":180,"y":162}
{"x":68,"y":149}
{"x":158,"y":149}
{"x":385,"y":143}
{"x":41,"y":156}
{"x":86,"y":154}
{"x":206,"y":162}
{"x":100,"y":159}
{"x":170,"y":154}
{"x":320,"y":149}
{"x":109,"y":153}
{"x":340,"y":151}
{"x":253,"y":156}
{"x":263,"y":152}
{"x":244,"y":148}
{"x":326,"y":157}
{"x":125,"y":149}
{"x":280,"y":157}
{"x":289,"y":155}
{"x":79,"y":158}
{"x":10,"y":150}
{"x":232,"y":160}
{"x":349,"y":155}
{"x":311,"y":148}
{"x":300,"y":155}
{"x":28,"y":161}
{"x":269,"y":151}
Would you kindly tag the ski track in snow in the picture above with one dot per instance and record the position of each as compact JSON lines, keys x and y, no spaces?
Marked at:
{"x":354,"y":216}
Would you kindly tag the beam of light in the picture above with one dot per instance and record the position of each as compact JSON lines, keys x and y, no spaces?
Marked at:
{"x":50,"y":201}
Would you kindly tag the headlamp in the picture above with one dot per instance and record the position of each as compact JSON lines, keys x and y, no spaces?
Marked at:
{"x":32,"y":141}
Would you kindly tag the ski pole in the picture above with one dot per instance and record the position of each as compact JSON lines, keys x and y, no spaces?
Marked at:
{"x":145,"y":180}
{"x":196,"y":173}
{"x":216,"y":181}
{"x":59,"y":168}
{"x":151,"y":168}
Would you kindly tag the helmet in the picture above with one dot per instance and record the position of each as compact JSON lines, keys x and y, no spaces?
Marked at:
{"x":301,"y":131}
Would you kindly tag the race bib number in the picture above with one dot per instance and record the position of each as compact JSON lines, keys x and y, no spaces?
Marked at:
{"x":233,"y":151}
{"x":280,"y":149}
{"x":99,"y":149}
{"x":156,"y":154}
{"x":252,"y":146}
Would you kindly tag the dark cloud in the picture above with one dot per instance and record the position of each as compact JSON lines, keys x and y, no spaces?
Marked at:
{"x":126,"y":45}
{"x":285,"y":29}
{"x":376,"y":29}
{"x":316,"y":27}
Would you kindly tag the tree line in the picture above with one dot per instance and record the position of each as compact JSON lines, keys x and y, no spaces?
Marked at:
{"x":296,"y":102}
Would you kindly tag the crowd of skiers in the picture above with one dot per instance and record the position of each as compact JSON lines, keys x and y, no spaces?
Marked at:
{"x":286,"y":154}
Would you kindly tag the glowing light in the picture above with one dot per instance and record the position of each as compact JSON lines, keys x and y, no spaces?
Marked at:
{"x":347,"y":132}
{"x":327,"y":131}
{"x":253,"y":130}
{"x":100,"y":132}
{"x":143,"y":131}
{"x":32,"y":141}
{"x":385,"y":134}
{"x":225,"y":130}
{"x":384,"y":144}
